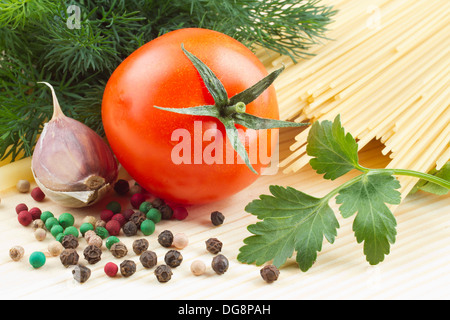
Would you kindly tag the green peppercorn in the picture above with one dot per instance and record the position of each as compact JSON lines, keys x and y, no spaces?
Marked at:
{"x":71,"y":230}
{"x":50,"y":222}
{"x":56,"y":229}
{"x":86,"y":227}
{"x":102,"y":232}
{"x":154,"y":215}
{"x":145,"y":207}
{"x":60,"y":236}
{"x":147,"y":227}
{"x":111,"y":240}
{"x":37,"y":259}
{"x":66,"y":220}
{"x":114,"y":206}
{"x":45,"y":215}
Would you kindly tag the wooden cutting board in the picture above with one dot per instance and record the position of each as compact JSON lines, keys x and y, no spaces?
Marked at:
{"x":418,"y":266}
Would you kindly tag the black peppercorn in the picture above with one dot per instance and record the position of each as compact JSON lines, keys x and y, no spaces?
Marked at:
{"x":213,"y":245}
{"x":165,"y":238}
{"x":69,"y":257}
{"x":140,"y":245}
{"x":270,"y":273}
{"x":157,"y":202}
{"x":148,"y":259}
{"x":138,"y":217}
{"x":81,"y":273}
{"x":173,"y":258}
{"x":69,"y":242}
{"x":130,"y":229}
{"x":217,"y":218}
{"x":127,"y":268}
{"x":92,"y":254}
{"x":166,"y":212}
{"x":220,"y":264}
{"x":163,"y":273}
{"x":119,"y":250}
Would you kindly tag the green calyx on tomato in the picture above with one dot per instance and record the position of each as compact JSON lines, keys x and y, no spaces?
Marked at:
{"x":231,"y":111}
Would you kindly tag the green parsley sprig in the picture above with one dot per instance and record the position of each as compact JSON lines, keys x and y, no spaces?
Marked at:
{"x":295,"y":221}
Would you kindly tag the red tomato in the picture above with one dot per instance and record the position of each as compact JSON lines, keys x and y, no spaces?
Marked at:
{"x":141,"y":136}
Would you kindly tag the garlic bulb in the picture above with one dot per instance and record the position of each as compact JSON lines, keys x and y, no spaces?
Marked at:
{"x":71,"y":163}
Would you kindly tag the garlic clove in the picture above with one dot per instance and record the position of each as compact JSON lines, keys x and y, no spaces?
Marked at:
{"x":71,"y":163}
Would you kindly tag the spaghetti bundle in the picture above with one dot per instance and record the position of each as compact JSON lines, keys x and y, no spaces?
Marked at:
{"x":386,"y":71}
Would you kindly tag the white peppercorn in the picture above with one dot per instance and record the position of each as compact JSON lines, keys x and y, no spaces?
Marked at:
{"x":198,"y":267}
{"x":55,"y":248}
{"x":90,"y":219}
{"x":95,"y":240}
{"x":89,"y":234}
{"x":16,"y":253}
{"x":23,"y":186}
{"x":180,"y":241}
{"x":38,"y":223}
{"x":40,"y":234}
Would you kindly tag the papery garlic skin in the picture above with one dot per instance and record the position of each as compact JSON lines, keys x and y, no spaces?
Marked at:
{"x":71,"y":163}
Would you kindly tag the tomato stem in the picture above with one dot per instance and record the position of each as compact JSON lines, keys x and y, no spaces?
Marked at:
{"x":236,"y":108}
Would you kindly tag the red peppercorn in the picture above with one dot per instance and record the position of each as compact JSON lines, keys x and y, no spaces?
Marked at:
{"x":35,"y":213}
{"x":179,"y":213}
{"x":127,"y":213}
{"x":137,"y":199}
{"x":106,"y":215}
{"x":25,"y":218}
{"x":122,"y":187}
{"x":21,"y":207}
{"x":113,"y":227}
{"x":119,"y":217}
{"x":37,"y":194}
{"x":111,"y":269}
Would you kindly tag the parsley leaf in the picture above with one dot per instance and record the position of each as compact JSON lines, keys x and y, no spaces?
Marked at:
{"x":434,"y":188}
{"x":292,"y":221}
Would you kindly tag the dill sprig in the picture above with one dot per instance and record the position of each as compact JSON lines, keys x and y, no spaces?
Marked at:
{"x":37,"y":45}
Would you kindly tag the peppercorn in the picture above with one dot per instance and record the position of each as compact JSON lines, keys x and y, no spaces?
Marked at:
{"x":69,"y":257}
{"x":145,"y":207}
{"x":56,"y":229}
{"x":111,"y":269}
{"x":16,"y":253}
{"x":127,"y":268}
{"x":140,"y":245}
{"x":135,"y":189}
{"x":37,"y":259}
{"x":138,"y":217}
{"x":50,"y":222}
{"x":130,"y":228}
{"x":220,"y":264}
{"x":66,"y":220}
{"x":38,"y":223}
{"x":69,"y":242}
{"x":102,"y":232}
{"x":25,"y":218}
{"x":92,"y":254}
{"x":55,"y":248}
{"x":154,"y":215}
{"x":137,"y":199}
{"x":110,"y":241}
{"x":217,"y":218}
{"x":147,"y":227}
{"x":163,"y":273}
{"x":180,"y":241}
{"x":127,"y":213}
{"x":198,"y":267}
{"x":113,"y":227}
{"x":40,"y":234}
{"x":45,"y":215}
{"x":88,"y":234}
{"x":180,"y":213}
{"x":157,"y":202}
{"x":37,"y":194}
{"x":60,"y":236}
{"x":99,"y":224}
{"x":90,"y":219}
{"x":35,"y":213}
{"x":173,"y":258}
{"x":23,"y":186}
{"x":213,"y":245}
{"x":95,"y":240}
{"x":86,"y":226}
{"x":71,"y":230}
{"x":269,"y":273}
{"x":21,"y":207}
{"x":114,"y":206}
{"x":122,"y":187}
{"x":148,"y":259}
{"x":165,"y":238}
{"x":106,"y":215}
{"x":166,"y":212}
{"x":119,"y":218}
{"x":81,"y":273}
{"x":119,"y":250}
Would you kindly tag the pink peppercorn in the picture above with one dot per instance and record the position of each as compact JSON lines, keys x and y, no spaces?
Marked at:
{"x":37,"y":194}
{"x":127,"y":213}
{"x":179,"y":213}
{"x":106,"y":215}
{"x":21,"y":207}
{"x":137,"y":199}
{"x":119,"y":217}
{"x":111,"y":269}
{"x":35,"y":213}
{"x":25,"y":218}
{"x":113,"y":227}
